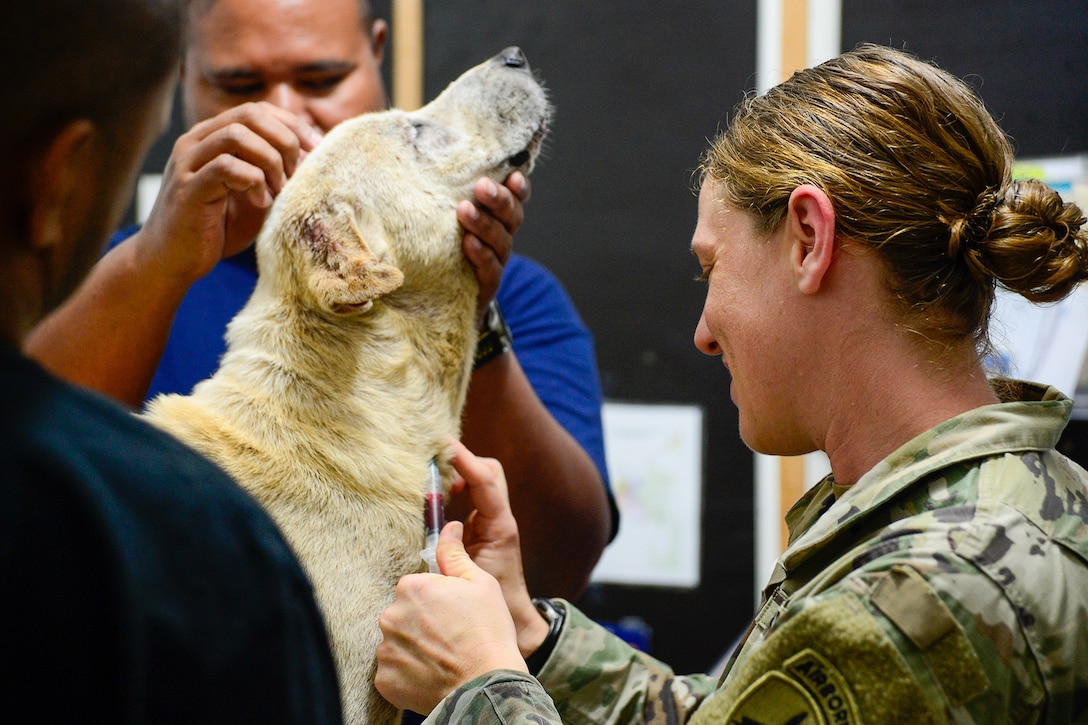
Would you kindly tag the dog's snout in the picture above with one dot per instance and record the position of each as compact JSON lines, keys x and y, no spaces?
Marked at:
{"x":512,"y":57}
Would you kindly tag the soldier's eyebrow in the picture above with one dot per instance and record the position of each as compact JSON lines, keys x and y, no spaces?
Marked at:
{"x":697,"y":249}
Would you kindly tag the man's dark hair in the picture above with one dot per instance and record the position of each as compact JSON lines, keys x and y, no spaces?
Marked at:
{"x":366,"y":10}
{"x":69,"y":59}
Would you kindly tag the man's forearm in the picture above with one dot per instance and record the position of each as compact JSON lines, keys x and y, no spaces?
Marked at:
{"x":556,"y":491}
{"x":110,"y":334}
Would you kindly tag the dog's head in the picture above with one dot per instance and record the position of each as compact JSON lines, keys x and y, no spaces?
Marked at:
{"x":373,"y":208}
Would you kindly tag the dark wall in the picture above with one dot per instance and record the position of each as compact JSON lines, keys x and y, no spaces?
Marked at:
{"x":1028,"y":60}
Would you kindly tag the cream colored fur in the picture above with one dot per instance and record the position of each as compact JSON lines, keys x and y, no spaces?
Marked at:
{"x":346,"y":371}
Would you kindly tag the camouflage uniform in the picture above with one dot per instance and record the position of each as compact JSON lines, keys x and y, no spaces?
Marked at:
{"x":949,"y":584}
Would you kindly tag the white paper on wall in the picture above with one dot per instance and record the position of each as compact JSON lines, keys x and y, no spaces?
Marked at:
{"x":654,"y":455}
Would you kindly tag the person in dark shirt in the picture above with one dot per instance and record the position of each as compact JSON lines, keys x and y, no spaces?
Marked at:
{"x":140,"y":583}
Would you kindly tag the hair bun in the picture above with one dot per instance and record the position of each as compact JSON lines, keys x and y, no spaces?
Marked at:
{"x":1036,"y":245}
{"x":971,"y":229}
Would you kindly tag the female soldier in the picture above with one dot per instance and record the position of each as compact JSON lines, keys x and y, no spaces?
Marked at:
{"x":853,"y":225}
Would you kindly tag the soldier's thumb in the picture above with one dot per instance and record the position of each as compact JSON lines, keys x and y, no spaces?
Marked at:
{"x":453,"y":560}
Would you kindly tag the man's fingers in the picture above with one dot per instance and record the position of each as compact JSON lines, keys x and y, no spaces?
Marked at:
{"x":226,"y":174}
{"x":286,"y":134}
{"x":484,"y":479}
{"x":501,"y":203}
{"x":498,"y":241}
{"x":244,"y":144}
{"x":261,"y":115}
{"x":489,"y":225}
{"x":309,"y":136}
{"x":518,"y":183}
{"x":494,"y":217}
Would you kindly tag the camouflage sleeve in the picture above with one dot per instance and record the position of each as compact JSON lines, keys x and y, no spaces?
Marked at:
{"x":595,"y":677}
{"x":591,"y":677}
{"x":502,"y":697}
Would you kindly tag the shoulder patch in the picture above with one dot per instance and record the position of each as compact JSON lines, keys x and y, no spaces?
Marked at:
{"x":776,"y":699}
{"x":805,"y":690}
{"x":912,"y":605}
{"x":834,"y":659}
{"x":826,"y":684}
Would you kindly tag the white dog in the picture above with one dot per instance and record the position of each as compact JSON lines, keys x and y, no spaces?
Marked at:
{"x":346,"y":371}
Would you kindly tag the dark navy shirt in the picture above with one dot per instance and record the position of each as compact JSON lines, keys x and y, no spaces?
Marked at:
{"x":141,"y":584}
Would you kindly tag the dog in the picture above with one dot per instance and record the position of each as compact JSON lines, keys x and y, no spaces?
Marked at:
{"x":346,"y":372}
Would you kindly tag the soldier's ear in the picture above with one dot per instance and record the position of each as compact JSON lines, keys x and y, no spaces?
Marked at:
{"x":810,"y":229}
{"x":351,"y":262}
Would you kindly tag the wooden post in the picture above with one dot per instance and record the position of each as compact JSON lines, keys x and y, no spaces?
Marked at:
{"x":407,"y":33}
{"x":790,"y":35}
{"x":794,"y":54}
{"x":794,"y":37}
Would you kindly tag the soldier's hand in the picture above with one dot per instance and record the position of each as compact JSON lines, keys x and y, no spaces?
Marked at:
{"x":444,"y":630}
{"x":491,"y":539}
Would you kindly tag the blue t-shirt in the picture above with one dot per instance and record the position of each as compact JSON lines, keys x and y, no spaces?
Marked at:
{"x":553,"y":344}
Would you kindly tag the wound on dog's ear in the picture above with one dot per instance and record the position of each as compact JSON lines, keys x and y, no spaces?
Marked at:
{"x":348,"y":269}
{"x":319,"y":237}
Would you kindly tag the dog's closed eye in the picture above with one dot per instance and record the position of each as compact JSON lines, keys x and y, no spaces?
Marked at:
{"x":428,"y":136}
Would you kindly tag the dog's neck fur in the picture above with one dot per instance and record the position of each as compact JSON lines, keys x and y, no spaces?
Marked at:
{"x":355,"y":379}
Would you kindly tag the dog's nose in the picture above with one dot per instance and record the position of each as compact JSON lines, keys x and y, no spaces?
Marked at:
{"x":512,"y":57}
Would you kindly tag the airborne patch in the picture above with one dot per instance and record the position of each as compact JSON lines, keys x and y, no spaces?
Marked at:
{"x":807,"y":690}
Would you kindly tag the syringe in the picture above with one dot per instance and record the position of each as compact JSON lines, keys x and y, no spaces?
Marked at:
{"x":434,"y":517}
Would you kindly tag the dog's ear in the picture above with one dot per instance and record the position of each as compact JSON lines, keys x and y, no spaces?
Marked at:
{"x":350,"y":267}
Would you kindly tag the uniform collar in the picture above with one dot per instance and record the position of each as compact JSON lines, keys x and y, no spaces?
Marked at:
{"x":827,"y":509}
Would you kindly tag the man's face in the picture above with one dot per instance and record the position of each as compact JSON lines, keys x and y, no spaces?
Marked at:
{"x":311,"y":57}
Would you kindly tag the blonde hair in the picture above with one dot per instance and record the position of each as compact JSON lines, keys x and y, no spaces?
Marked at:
{"x":916,"y":169}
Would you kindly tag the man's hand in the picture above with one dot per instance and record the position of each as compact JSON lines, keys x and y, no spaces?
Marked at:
{"x":218,"y":184}
{"x":491,"y":539}
{"x":490,"y":225}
